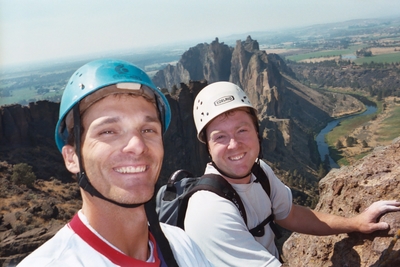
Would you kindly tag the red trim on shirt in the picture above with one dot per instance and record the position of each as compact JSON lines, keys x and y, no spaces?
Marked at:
{"x":106,"y":250}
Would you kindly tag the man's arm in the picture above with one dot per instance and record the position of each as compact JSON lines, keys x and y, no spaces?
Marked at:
{"x":306,"y":221}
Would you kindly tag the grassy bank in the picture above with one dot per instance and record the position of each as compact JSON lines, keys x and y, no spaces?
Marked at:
{"x":390,"y":128}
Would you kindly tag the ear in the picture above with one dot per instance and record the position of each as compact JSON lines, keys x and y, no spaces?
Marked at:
{"x":70,"y":158}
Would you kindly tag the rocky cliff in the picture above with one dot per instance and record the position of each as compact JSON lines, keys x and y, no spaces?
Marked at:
{"x":348,"y":191}
{"x":27,"y":135}
{"x":211,"y":62}
{"x":182,"y":149}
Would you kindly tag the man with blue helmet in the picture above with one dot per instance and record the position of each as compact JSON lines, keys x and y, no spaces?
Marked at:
{"x":109,"y":132}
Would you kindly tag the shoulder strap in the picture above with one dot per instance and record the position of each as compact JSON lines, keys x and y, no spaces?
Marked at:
{"x":216,"y":184}
{"x":158,"y":234}
{"x":262,"y":178}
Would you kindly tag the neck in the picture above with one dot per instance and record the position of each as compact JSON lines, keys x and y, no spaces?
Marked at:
{"x":232,"y":179}
{"x":125,"y":228}
{"x":244,"y":180}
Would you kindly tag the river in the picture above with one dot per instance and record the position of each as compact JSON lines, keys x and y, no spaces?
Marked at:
{"x":320,"y":139}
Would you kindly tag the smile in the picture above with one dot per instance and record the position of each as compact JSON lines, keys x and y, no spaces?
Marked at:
{"x":237,"y":157}
{"x":131,"y":169}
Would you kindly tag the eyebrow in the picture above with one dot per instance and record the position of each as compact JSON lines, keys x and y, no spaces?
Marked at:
{"x":111,"y":120}
{"x":152,"y":119}
{"x":108,"y":120}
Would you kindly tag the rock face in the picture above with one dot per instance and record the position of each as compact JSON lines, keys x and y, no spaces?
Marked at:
{"x":21,"y":125}
{"x":347,"y":192}
{"x":182,"y":149}
{"x":27,"y":135}
{"x":210,"y":62}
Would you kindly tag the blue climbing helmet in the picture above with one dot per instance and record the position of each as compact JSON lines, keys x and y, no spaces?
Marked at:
{"x":103,"y":74}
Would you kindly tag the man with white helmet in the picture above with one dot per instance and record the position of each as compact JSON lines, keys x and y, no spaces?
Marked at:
{"x":109,"y":132}
{"x":227,"y":123}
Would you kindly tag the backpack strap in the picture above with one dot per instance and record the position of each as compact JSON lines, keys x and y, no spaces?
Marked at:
{"x":262,"y":178}
{"x":216,"y":184}
{"x":158,"y":234}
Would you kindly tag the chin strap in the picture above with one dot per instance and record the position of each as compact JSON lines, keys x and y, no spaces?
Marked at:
{"x":228,"y":175}
{"x":83,"y":180}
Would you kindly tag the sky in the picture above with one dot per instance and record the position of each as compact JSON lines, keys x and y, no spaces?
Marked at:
{"x":42,"y":30}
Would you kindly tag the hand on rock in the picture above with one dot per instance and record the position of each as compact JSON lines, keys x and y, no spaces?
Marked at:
{"x":368,"y":218}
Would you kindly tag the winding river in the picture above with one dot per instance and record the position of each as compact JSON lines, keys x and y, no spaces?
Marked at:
{"x":320,"y":139}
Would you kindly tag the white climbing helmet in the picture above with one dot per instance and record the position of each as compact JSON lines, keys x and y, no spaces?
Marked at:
{"x":215,"y":99}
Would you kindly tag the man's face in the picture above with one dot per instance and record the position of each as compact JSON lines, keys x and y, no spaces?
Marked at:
{"x":122,"y":147}
{"x":233,"y":142}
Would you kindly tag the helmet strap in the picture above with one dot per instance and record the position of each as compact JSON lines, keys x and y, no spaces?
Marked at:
{"x":83,"y":180}
{"x":228,"y":175}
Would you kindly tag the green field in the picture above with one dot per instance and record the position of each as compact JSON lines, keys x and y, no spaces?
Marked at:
{"x":26,"y":95}
{"x":326,"y":53}
{"x":384,"y":58}
{"x":390,"y":127}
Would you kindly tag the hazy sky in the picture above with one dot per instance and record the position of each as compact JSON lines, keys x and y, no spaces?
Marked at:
{"x":32,"y":30}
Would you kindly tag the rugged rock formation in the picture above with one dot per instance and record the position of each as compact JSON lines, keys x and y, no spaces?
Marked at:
{"x":182,"y":149}
{"x":22,"y":125}
{"x":27,"y":135}
{"x":210,"y":62}
{"x":348,"y":191}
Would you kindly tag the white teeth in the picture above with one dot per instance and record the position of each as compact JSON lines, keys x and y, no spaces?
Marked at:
{"x":237,"y":157}
{"x":131,"y":169}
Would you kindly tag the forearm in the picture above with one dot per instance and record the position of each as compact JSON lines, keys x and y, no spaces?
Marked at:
{"x":306,"y":221}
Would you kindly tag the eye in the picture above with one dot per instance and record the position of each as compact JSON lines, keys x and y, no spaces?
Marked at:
{"x":107,"y":132}
{"x":219,"y":137}
{"x":148,"y":131}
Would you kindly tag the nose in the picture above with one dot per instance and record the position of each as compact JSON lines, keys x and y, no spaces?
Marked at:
{"x":135,"y":144}
{"x":233,"y":143}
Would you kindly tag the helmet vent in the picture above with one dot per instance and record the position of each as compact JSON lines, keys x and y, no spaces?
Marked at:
{"x":82,"y":86}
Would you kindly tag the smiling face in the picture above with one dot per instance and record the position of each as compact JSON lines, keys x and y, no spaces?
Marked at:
{"x":122,"y":147}
{"x":233,"y":144}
